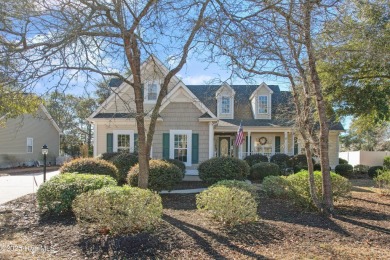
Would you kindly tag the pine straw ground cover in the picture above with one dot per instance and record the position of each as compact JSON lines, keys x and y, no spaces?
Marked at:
{"x":360,"y":230}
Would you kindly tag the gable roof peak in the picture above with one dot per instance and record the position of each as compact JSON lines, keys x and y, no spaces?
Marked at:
{"x":223,"y":86}
{"x":262,"y":85}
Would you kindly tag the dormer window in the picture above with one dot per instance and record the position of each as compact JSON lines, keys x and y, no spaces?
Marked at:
{"x":263,"y":104}
{"x":225,"y":105}
{"x":151,"y":92}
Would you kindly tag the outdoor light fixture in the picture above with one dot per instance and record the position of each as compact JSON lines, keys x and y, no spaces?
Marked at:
{"x":45,"y":151}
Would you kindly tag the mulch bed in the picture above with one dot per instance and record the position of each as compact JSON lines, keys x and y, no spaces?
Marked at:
{"x":359,"y":230}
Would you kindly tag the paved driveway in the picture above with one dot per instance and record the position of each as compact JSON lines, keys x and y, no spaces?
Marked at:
{"x":13,"y":187}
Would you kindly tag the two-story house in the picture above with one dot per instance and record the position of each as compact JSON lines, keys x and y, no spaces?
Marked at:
{"x":198,"y":122}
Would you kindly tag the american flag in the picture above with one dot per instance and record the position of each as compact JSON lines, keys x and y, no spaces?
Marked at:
{"x":240,"y":136}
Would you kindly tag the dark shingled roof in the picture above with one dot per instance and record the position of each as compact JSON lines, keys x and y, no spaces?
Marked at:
{"x":281,"y":106}
{"x":114,"y":82}
{"x":115,"y":115}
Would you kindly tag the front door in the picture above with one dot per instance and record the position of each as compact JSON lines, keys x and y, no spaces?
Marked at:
{"x":224,"y":146}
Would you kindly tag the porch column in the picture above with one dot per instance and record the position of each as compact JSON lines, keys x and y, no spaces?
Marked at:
{"x":293,"y":143}
{"x":95,"y":138}
{"x":248,"y":144}
{"x":285,"y":142}
{"x":211,"y":140}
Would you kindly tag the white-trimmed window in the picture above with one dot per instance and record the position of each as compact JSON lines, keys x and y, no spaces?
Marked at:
{"x":30,"y":143}
{"x":225,"y":105}
{"x":151,"y":92}
{"x":123,"y":140}
{"x":263,"y":104}
{"x":181,"y":146}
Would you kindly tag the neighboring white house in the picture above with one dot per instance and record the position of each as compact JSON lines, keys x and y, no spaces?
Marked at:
{"x":369,"y":158}
{"x":198,"y":122}
{"x":22,"y":138}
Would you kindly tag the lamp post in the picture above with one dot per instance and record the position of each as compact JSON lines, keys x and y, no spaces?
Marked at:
{"x":45,"y":151}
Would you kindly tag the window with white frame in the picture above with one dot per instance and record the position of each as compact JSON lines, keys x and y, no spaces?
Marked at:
{"x":123,"y":140}
{"x":181,"y":145}
{"x":263,"y":104}
{"x":151,"y":91}
{"x":225,"y":105}
{"x":30,"y":142}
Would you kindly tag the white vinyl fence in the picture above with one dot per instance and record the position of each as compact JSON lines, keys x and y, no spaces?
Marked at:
{"x":369,"y":158}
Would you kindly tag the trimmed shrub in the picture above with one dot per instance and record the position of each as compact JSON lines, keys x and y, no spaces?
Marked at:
{"x":237,"y":184}
{"x":344,"y":169}
{"x":276,"y":186}
{"x":162,"y":175}
{"x":108,"y":156}
{"x":373,"y":171}
{"x":90,"y":165}
{"x":228,"y":205}
{"x":360,"y":169}
{"x":223,"y":168}
{"x":255,"y":158}
{"x":119,"y":210}
{"x":56,"y":195}
{"x":282,"y":160}
{"x":123,"y":162}
{"x":299,"y":162}
{"x":383,"y":181}
{"x":261,"y":170}
{"x":342,"y":161}
{"x":300,"y":190}
{"x":317,"y":167}
{"x":386,"y":163}
{"x":179,"y":164}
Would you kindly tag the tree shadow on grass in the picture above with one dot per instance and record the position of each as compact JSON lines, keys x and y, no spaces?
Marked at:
{"x":198,"y":234}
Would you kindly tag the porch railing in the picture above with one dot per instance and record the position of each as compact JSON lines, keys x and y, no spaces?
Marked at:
{"x":269,"y":155}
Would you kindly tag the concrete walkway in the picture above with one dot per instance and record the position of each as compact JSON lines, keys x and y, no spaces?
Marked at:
{"x":13,"y":187}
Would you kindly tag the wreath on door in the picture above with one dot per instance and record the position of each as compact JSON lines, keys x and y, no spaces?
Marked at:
{"x":263,"y":140}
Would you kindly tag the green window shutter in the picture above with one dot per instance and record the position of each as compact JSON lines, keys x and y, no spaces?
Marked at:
{"x":277,"y":144}
{"x":246,"y":145}
{"x":250,"y":145}
{"x":110,"y":143}
{"x":165,"y":145}
{"x":295,"y":146}
{"x":195,"y":148}
{"x":135,"y":143}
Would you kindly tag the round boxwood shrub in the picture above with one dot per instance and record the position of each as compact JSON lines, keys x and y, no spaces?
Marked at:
{"x":56,"y":195}
{"x":119,"y":210}
{"x":263,"y":169}
{"x":383,"y":181}
{"x":228,"y":205}
{"x":255,"y":158}
{"x":360,"y":169}
{"x":223,"y":168}
{"x":276,"y":186}
{"x":123,"y":162}
{"x":90,"y":165}
{"x":373,"y":171}
{"x":282,"y":160}
{"x":243,"y":185}
{"x":342,"y":161}
{"x":300,"y":190}
{"x":108,"y":156}
{"x":162,"y":175}
{"x":344,"y":169}
{"x":179,"y":164}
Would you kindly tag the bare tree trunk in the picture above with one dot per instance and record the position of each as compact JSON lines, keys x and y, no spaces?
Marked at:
{"x":321,"y":108}
{"x":310,"y":169}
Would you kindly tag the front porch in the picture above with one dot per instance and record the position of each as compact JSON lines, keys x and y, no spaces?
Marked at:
{"x":255,"y":142}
